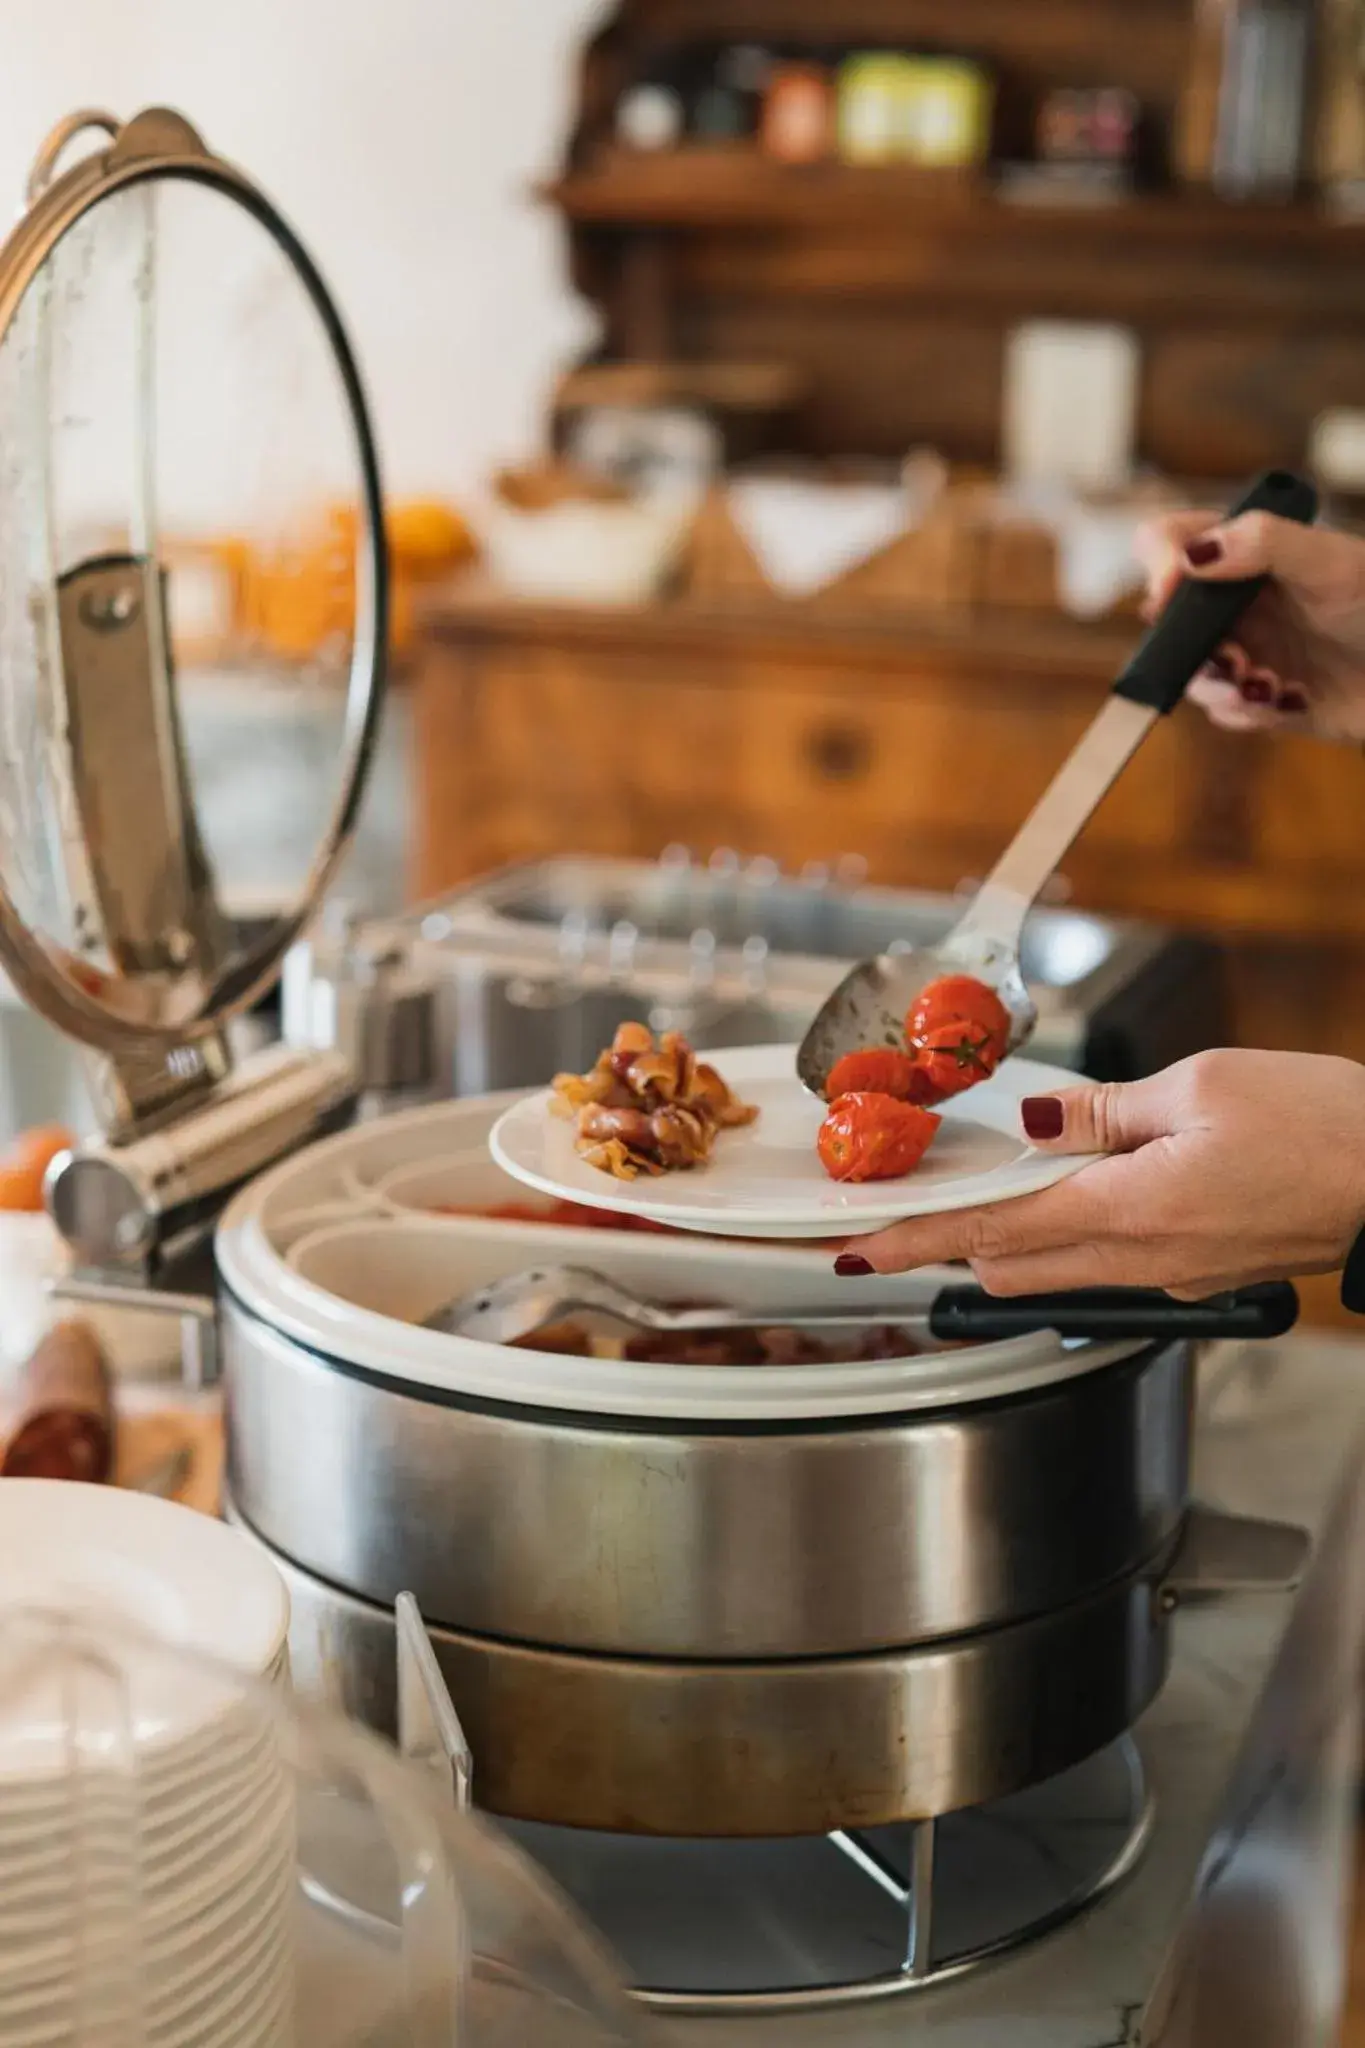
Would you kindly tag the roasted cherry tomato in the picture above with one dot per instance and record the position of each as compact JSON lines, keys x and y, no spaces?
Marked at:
{"x":880,"y":1072}
{"x":874,"y":1137}
{"x":956,"y":1056}
{"x":959,"y":999}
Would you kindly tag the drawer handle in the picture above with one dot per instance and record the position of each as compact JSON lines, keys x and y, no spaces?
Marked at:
{"x":840,"y":753}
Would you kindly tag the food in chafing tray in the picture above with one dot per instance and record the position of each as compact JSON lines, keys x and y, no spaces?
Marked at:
{"x":776,"y":1346}
{"x":648,"y":1107}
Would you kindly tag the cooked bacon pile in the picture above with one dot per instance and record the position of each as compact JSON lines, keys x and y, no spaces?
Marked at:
{"x":647,"y":1107}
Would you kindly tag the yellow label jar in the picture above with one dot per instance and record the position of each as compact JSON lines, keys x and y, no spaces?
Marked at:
{"x":947,"y":113}
{"x":875,"y":90}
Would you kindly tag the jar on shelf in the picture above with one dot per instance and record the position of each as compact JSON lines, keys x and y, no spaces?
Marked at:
{"x":798,"y":111}
{"x":873,"y":90}
{"x":948,"y":114}
{"x":729,"y":106}
{"x":651,"y":113}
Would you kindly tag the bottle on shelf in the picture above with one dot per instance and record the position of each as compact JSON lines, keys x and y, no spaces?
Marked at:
{"x":729,"y":104}
{"x":798,"y":110}
{"x":1195,"y":141}
{"x":1339,"y":112}
{"x":651,"y":113}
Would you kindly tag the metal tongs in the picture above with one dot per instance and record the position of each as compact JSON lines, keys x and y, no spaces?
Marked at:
{"x":514,"y":1308}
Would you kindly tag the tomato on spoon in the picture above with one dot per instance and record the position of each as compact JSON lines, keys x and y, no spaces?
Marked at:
{"x":959,"y":999}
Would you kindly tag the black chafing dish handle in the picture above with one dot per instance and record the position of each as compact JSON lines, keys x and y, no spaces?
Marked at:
{"x":1201,"y":616}
{"x":969,"y":1315}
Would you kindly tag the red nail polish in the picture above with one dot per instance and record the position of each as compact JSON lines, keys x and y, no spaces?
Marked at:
{"x":1043,"y":1117}
{"x":850,"y":1267}
{"x":1202,"y":554}
{"x":1293,"y":701}
{"x":1258,"y":689}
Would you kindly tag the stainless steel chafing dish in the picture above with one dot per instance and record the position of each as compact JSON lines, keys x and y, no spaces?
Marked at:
{"x":695,"y":1600}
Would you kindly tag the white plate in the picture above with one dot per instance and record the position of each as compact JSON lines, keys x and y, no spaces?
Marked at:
{"x":167,"y":1872}
{"x":160,"y":1570}
{"x":224,"y":1933}
{"x":766,"y":1181}
{"x":210,"y":1761}
{"x":109,"y":1803}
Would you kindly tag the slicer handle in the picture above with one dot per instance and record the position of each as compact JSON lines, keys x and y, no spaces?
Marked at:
{"x":1202,"y":615}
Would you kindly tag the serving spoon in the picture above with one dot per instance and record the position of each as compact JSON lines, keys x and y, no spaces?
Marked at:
{"x":514,"y":1308}
{"x":869,"y":1006}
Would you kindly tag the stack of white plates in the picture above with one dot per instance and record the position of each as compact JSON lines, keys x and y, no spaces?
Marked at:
{"x":147,"y":1823}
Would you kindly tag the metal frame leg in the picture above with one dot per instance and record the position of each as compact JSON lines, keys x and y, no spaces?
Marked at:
{"x":917,"y":1896}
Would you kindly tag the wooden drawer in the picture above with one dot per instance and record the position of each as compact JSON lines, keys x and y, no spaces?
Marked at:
{"x":519,"y":756}
{"x":935,"y":763}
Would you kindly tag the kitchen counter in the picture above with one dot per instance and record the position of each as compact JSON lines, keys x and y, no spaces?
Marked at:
{"x":1232,"y":1929}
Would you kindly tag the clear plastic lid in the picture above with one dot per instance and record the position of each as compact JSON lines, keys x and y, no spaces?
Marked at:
{"x":190,"y":513}
{"x":256,"y":1874}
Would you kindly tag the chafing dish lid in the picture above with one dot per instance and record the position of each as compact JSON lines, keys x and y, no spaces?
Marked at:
{"x":190,"y":490}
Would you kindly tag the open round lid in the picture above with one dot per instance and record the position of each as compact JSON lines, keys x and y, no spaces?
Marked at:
{"x":189,"y":502}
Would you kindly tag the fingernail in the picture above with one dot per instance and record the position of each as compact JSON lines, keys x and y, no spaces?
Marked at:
{"x":1202,"y":554}
{"x":1258,"y":689}
{"x":850,"y":1267}
{"x":1293,"y":701}
{"x":1043,"y":1116}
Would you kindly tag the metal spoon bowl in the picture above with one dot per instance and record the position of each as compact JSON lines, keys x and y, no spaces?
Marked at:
{"x":869,"y":1006}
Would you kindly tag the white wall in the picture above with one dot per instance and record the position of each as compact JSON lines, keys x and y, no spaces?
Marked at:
{"x":400,"y":137}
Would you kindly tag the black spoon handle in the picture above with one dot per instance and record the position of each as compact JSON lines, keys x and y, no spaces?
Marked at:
{"x":1202,"y":615}
{"x":969,"y":1315}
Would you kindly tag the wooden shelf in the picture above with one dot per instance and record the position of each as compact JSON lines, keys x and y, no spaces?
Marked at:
{"x":738,"y":188}
{"x":728,"y":387}
{"x":1070,"y":41}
